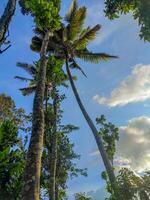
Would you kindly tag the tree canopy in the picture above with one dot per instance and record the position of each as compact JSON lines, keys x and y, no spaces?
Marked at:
{"x":138,"y":8}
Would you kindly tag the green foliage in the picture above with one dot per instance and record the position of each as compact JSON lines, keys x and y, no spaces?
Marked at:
{"x":110,"y":134}
{"x":93,"y":57}
{"x":140,"y":10}
{"x":132,"y":186}
{"x":8,"y":111}
{"x":54,"y":74}
{"x":88,"y":34}
{"x":72,"y":11}
{"x":76,"y":24}
{"x":128,"y":184}
{"x":45,"y":12}
{"x":65,"y":154}
{"x":72,"y":39}
{"x":12,"y":149}
{"x":11,"y":161}
{"x":7,"y":107}
{"x":82,"y":196}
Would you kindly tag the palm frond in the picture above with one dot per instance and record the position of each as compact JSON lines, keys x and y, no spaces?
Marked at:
{"x":76,"y":66}
{"x":94,"y":57}
{"x":53,"y":45}
{"x":39,"y":32}
{"x":28,"y":90}
{"x":28,"y":68}
{"x":23,"y":78}
{"x":86,"y":36}
{"x":75,"y":25}
{"x":85,"y":30}
{"x":72,"y":10}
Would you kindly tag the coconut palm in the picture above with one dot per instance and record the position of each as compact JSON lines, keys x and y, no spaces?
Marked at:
{"x":54,"y":76}
{"x":69,"y":43}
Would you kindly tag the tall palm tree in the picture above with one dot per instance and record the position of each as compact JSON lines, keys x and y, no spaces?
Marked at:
{"x":31,"y":189}
{"x":54,"y":76}
{"x":5,"y":20}
{"x":71,"y":42}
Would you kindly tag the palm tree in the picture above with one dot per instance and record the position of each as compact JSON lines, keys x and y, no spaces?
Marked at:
{"x":32,"y":173}
{"x":54,"y":76}
{"x":4,"y":23}
{"x":71,"y":42}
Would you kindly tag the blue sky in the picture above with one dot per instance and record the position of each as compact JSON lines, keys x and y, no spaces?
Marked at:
{"x":119,"y":89}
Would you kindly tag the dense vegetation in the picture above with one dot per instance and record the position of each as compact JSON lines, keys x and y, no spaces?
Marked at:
{"x":37,"y":156}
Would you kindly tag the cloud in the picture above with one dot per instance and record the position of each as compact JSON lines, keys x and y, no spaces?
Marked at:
{"x":134,"y":88}
{"x":133,"y":148}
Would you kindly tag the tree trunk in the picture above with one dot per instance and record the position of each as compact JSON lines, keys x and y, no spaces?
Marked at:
{"x":56,"y":192}
{"x":54,"y":153}
{"x":97,"y":136}
{"x":31,"y":188}
{"x":6,"y":19}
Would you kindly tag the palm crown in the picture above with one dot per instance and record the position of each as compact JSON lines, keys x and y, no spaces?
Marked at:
{"x":72,"y":39}
{"x":55,"y":75}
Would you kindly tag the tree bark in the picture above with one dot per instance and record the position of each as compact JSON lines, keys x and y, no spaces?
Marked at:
{"x":97,"y":137}
{"x":57,"y":192}
{"x":54,"y":154}
{"x":31,"y":188}
{"x":6,"y":19}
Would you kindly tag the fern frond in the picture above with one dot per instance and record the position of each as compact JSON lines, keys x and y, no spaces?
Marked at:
{"x":94,"y":57}
{"x":86,"y":37}
{"x":28,"y":68}
{"x":76,"y":24}
{"x":72,"y":10}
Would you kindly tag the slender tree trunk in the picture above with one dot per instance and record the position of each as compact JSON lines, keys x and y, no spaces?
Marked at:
{"x":97,"y":137}
{"x":54,"y":154}
{"x":31,"y":188}
{"x":46,"y":105}
{"x":6,"y":19}
{"x":56,"y":192}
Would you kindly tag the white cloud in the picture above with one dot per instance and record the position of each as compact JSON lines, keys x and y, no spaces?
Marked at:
{"x":134,"y":88}
{"x":133,"y":148}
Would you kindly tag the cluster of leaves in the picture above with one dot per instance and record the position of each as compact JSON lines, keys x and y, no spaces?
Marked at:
{"x":72,"y":39}
{"x":139,"y":8}
{"x":8,"y":111}
{"x":128,"y":184}
{"x":132,"y":186}
{"x":82,"y":196}
{"x":46,"y":13}
{"x":65,"y":154}
{"x":12,"y":160}
{"x":12,"y":148}
{"x":54,"y":75}
{"x":110,"y":134}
